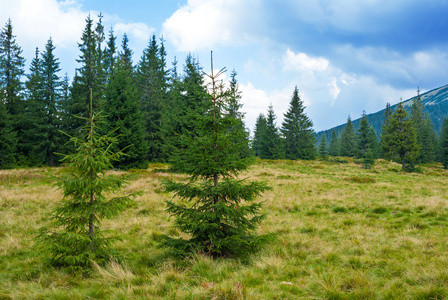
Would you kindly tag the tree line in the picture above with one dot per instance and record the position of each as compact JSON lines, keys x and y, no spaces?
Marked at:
{"x":149,"y":104}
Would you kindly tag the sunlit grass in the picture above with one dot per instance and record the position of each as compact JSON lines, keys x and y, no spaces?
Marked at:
{"x":342,"y":232}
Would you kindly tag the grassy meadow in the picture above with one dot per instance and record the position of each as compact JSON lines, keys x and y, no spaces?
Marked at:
{"x":342,"y":232}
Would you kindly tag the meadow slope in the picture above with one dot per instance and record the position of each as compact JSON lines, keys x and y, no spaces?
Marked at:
{"x":342,"y":232}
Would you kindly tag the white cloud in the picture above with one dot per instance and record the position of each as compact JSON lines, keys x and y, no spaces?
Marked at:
{"x":202,"y":24}
{"x":334,"y":88}
{"x":302,"y":62}
{"x":138,"y":31}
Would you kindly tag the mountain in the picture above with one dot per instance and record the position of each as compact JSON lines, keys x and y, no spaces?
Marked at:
{"x":435,"y":102}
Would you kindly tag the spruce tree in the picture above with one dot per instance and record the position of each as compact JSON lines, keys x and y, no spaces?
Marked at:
{"x":347,"y":141}
{"x":426,"y":136}
{"x":387,"y":115}
{"x":323,"y":151}
{"x":399,"y":139}
{"x":216,"y":210}
{"x":152,"y":84}
{"x":77,"y":218}
{"x":333,"y":148}
{"x":87,"y":77}
{"x":272,"y":144}
{"x":261,"y":127}
{"x":297,"y":130}
{"x":366,"y":140}
{"x":8,"y":138}
{"x":443,"y":150}
{"x":123,"y":111}
{"x":48,"y":133}
{"x":11,"y":87}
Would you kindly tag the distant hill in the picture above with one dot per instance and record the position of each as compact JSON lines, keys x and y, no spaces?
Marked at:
{"x":435,"y":102}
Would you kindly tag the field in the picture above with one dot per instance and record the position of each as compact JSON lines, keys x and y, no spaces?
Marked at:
{"x":342,"y":232}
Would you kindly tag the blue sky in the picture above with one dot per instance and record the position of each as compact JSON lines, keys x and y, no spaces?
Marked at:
{"x":345,"y":56}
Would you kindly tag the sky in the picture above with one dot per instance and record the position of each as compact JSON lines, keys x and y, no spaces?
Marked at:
{"x":345,"y":56}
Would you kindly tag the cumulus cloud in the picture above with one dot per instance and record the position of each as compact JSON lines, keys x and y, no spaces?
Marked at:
{"x":202,"y":24}
{"x":301,"y":61}
{"x":138,"y":31}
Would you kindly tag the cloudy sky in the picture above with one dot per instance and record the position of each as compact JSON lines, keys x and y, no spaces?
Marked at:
{"x":345,"y":56}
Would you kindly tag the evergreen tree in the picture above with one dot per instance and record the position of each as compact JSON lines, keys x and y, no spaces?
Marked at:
{"x":323,"y":151}
{"x":8,"y":138}
{"x":87,"y":77}
{"x":152,"y":83}
{"x":333,"y":148}
{"x":444,"y":144}
{"x":33,"y":112}
{"x":426,"y":136}
{"x":109,"y":57}
{"x":387,"y":115}
{"x":234,"y":110}
{"x":347,"y":141}
{"x":123,"y":111}
{"x":271,"y":145}
{"x":48,"y":133}
{"x":80,"y":239}
{"x":261,"y":127}
{"x":217,"y":213}
{"x":399,"y":139}
{"x":366,"y":140}
{"x":11,"y":70}
{"x":297,"y":130}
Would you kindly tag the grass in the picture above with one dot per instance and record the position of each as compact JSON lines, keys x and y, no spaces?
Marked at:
{"x":343,"y":232}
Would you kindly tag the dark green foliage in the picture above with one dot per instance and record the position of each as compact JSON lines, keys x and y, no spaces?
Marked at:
{"x":215,"y":212}
{"x":399,"y":138}
{"x":323,"y":151}
{"x":79,"y":239}
{"x":261,"y":126}
{"x":123,"y":112}
{"x":271,"y":142}
{"x":347,"y":141}
{"x":443,"y":145}
{"x":11,"y":71}
{"x":366,"y":141}
{"x":297,"y":130}
{"x":48,"y":115}
{"x":8,"y":139}
{"x":426,"y":136}
{"x":152,"y":83}
{"x":333,"y":147}
{"x":89,"y":76}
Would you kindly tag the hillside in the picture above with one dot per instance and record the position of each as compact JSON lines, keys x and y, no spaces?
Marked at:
{"x":436,"y":105}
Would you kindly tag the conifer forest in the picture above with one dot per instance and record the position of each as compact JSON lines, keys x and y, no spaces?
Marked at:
{"x":141,"y":180}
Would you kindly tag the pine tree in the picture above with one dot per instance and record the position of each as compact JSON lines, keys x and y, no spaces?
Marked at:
{"x":8,"y":138}
{"x":365,"y":138}
{"x":272,"y":145}
{"x":426,"y":136}
{"x":297,"y":130}
{"x":261,"y":127}
{"x":444,"y":144}
{"x":387,"y":116}
{"x":347,"y":140}
{"x":323,"y":151}
{"x":217,"y":213}
{"x":78,"y":216}
{"x":123,"y":111}
{"x":399,"y":139}
{"x":333,"y":148}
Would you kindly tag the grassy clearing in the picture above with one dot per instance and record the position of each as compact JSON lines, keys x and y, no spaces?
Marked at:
{"x":342,"y":233}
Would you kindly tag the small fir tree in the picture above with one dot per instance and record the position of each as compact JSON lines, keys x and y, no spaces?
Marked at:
{"x":443,"y":146}
{"x":272,"y":144}
{"x":216,"y":211}
{"x":399,"y":139}
{"x":84,"y":183}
